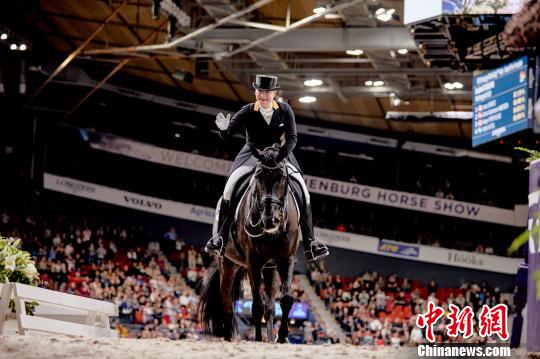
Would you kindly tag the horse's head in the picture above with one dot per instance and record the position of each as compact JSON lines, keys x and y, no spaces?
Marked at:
{"x":271,"y":183}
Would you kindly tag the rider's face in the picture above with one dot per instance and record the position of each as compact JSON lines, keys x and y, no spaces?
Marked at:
{"x":265,"y":98}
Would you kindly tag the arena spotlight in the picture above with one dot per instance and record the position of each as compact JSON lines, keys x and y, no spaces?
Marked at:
{"x":402,"y":51}
{"x":320,"y":6}
{"x":368,"y":83}
{"x":449,"y":86}
{"x":313,"y":82}
{"x":457,"y":85}
{"x":356,"y":52}
{"x":14,"y":40}
{"x":383,"y":14}
{"x":378,"y":83}
{"x":307,"y":99}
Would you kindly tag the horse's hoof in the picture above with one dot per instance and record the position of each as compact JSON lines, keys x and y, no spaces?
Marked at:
{"x":280,"y":340}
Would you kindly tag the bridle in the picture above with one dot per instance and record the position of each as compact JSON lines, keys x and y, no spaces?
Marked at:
{"x":269,"y":198}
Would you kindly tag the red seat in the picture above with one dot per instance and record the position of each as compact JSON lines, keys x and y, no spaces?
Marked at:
{"x":441,"y":294}
{"x":407,"y":311}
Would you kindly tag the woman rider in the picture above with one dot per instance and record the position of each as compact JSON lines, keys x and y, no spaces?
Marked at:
{"x":266,"y":123}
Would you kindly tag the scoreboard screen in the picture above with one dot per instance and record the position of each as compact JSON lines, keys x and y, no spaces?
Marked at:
{"x":500,"y":100}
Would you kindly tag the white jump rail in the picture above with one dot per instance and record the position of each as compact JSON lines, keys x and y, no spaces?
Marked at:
{"x":96,"y":311}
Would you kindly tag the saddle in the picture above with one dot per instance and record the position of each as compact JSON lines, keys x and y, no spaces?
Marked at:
{"x":241,"y":188}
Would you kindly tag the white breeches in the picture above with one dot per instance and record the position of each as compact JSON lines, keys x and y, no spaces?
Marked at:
{"x":243,"y":170}
{"x":293,"y":172}
{"x":233,"y":178}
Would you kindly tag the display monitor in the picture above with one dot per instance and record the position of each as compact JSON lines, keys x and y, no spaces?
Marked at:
{"x":500,"y":102}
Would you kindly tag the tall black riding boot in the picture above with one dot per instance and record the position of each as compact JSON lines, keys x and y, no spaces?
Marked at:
{"x":313,"y":248}
{"x":216,"y":245}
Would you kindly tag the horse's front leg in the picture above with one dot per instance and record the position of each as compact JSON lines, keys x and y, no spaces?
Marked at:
{"x":269,"y":276}
{"x":228,"y":270}
{"x":257,"y":310}
{"x":285,"y":270}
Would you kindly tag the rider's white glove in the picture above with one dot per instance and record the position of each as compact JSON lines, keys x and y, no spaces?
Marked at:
{"x":222,"y":122}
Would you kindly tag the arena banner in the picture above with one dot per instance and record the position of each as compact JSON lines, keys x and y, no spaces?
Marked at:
{"x":164,"y":156}
{"x":413,"y":201}
{"x":398,"y":248}
{"x":128,"y":199}
{"x":350,"y":241}
{"x":429,"y":254}
{"x":319,"y":185}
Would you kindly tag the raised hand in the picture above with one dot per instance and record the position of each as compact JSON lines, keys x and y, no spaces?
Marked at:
{"x":222,"y":122}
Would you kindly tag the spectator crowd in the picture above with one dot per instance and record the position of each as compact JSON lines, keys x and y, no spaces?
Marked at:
{"x":375,"y":310}
{"x":156,"y":293}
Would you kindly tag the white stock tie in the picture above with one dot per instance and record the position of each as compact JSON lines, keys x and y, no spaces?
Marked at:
{"x":267,"y":114}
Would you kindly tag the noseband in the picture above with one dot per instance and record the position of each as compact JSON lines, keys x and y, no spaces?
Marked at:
{"x":272,"y":199}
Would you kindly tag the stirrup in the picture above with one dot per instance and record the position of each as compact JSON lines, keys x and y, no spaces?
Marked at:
{"x":311,"y":257}
{"x":215,"y":251}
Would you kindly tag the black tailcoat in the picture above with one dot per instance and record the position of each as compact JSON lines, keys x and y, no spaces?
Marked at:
{"x":259,"y":134}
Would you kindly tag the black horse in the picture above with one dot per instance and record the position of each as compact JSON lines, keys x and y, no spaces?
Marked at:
{"x":263,"y":243}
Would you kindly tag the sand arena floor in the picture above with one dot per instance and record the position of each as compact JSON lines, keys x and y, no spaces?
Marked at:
{"x":33,"y":346}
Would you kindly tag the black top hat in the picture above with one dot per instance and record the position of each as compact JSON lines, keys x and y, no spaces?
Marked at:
{"x":266,"y":83}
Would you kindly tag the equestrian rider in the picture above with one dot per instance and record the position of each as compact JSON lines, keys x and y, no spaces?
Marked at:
{"x":266,"y":123}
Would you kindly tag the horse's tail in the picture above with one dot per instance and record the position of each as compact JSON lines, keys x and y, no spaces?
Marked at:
{"x":214,"y":319}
